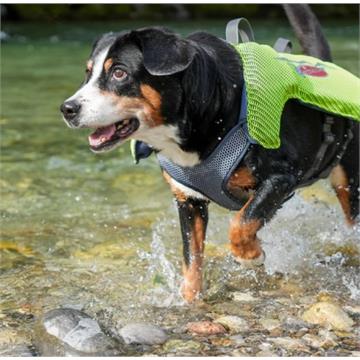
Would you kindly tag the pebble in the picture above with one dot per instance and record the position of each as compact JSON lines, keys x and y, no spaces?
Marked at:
{"x":144,"y":334}
{"x":293,"y":324}
{"x":312,"y":340}
{"x":234,"y":323}
{"x":270,"y":324}
{"x":243,"y":297}
{"x":66,"y":332}
{"x":181,"y":347}
{"x":328,"y":314}
{"x":237,"y":340}
{"x":18,"y":350}
{"x":353,"y":310}
{"x":205,"y":328}
{"x":265,"y":353}
{"x":290,"y":344}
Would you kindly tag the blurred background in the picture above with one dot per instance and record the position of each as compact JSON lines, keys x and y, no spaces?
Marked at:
{"x":79,"y":12}
{"x":96,"y":231}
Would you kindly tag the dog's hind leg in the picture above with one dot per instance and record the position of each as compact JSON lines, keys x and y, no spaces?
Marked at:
{"x":345,"y":179}
{"x":245,"y":244}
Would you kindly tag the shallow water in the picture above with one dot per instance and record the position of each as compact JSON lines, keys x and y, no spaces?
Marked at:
{"x":97,"y":232}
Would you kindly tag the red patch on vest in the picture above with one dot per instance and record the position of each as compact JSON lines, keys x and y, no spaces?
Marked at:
{"x":311,"y":70}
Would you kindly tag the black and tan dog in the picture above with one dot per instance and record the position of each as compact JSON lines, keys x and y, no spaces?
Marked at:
{"x":170,"y":92}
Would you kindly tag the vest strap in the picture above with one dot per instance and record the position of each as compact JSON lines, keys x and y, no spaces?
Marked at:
{"x":239,"y":30}
{"x":283,"y":45}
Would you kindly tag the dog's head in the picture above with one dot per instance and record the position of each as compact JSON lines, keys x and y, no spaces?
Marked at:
{"x":132,"y":88}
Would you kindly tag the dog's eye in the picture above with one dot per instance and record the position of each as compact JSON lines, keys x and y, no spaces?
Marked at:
{"x":119,"y":74}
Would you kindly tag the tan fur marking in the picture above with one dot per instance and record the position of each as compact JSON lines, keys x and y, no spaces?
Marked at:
{"x":193,"y":272}
{"x":241,"y":178}
{"x":132,"y":105}
{"x":244,"y":243}
{"x":179,"y":195}
{"x":153,"y":98}
{"x":340,"y":183}
{"x":89,"y":65}
{"x":107,"y":64}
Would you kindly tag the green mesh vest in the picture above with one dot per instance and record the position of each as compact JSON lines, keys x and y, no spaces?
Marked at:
{"x":272,"y":78}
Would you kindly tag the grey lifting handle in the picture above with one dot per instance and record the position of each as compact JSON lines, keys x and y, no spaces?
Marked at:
{"x":239,"y":30}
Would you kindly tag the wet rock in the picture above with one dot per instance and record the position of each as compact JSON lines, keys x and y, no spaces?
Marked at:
{"x":265,"y":353}
{"x":182,"y":347}
{"x":353,"y":310}
{"x":293,"y":324}
{"x":319,"y":342}
{"x":217,"y":292}
{"x":235,"y":324}
{"x":18,"y":350}
{"x":265,"y":350}
{"x":145,"y":334}
{"x":66,"y":332}
{"x":312,"y":340}
{"x":270,"y":324}
{"x":205,"y":328}
{"x":328,"y":314}
{"x":243,"y":297}
{"x":290,"y":344}
{"x":237,"y":340}
{"x":221,"y":342}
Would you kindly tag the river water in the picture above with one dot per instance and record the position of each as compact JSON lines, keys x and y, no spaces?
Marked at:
{"x":98,"y":233}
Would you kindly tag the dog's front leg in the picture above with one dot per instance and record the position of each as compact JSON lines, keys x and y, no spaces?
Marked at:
{"x":193,"y":214}
{"x":260,"y":207}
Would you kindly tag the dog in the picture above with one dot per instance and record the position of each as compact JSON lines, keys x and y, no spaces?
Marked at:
{"x":182,"y":96}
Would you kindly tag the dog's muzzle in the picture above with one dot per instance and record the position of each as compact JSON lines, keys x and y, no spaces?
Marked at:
{"x":70,"y":110}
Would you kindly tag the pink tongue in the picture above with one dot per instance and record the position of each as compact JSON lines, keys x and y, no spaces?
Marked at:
{"x":101,"y":135}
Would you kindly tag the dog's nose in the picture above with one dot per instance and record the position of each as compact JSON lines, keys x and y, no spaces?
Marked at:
{"x":70,"y":109}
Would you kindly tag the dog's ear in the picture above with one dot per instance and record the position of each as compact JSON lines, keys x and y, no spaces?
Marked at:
{"x":164,"y":52}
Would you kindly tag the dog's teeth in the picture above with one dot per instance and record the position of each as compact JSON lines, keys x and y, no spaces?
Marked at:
{"x":102,"y":139}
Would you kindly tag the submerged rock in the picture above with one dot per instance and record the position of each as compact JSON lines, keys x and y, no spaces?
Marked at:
{"x":319,"y":342}
{"x":144,"y":334}
{"x":180,"y":347}
{"x":66,"y":332}
{"x":290,"y":344}
{"x":237,"y":340}
{"x":205,"y":328}
{"x":243,"y":297}
{"x":270,"y":324}
{"x":328,"y":314}
{"x":234,"y":323}
{"x":18,"y":350}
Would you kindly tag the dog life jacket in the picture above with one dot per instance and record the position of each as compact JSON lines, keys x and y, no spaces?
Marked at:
{"x":273,"y":78}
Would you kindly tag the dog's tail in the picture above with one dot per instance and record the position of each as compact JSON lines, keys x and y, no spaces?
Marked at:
{"x":308,"y":31}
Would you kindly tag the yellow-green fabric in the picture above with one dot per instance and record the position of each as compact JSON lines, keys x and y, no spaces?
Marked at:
{"x":272,"y":78}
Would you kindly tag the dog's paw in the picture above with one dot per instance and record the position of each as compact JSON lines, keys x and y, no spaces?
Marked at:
{"x":251,"y":263}
{"x":189,"y":292}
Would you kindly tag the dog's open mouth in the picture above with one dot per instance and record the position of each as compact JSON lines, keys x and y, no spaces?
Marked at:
{"x":107,"y":137}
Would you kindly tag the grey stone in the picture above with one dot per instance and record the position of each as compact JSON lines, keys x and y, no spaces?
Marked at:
{"x":234,"y":323}
{"x":180,"y":347}
{"x":70,"y":332}
{"x":237,"y":339}
{"x":144,"y":334}
{"x":18,"y":350}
